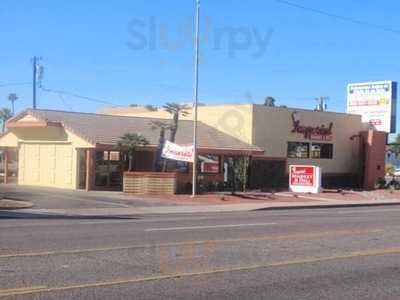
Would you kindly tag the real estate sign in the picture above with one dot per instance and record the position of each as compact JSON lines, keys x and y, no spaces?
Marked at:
{"x":178,"y":152}
{"x":304,"y":179}
{"x":375,"y":102}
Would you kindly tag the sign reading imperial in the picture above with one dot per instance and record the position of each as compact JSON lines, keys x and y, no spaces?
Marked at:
{"x":320,"y":133}
{"x":178,"y":152}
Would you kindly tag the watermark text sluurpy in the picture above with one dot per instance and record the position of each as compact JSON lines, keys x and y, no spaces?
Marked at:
{"x":152,"y":34}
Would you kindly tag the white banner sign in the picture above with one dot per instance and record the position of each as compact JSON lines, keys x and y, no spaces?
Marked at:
{"x":375,"y":102}
{"x":177,"y":152}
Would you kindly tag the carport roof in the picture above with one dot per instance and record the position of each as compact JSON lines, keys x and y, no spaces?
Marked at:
{"x":107,"y":129}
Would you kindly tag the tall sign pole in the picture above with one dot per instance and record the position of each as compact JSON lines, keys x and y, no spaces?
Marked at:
{"x":196,"y":99}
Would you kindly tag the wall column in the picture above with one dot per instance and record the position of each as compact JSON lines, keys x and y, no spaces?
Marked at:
{"x":5,"y":163}
{"x":89,"y":169}
{"x":375,"y":147}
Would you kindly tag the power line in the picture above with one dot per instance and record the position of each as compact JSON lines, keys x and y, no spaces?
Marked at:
{"x":78,"y":96}
{"x":339,"y":17}
{"x":14,"y":84}
{"x":69,"y":107}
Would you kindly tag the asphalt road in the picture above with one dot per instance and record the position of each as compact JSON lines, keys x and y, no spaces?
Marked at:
{"x":299,"y":254}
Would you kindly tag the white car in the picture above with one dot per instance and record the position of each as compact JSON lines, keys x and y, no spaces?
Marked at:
{"x":396,"y":172}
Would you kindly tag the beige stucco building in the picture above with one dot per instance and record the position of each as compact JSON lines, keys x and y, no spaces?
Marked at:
{"x":79,"y":150}
{"x":271,"y":128}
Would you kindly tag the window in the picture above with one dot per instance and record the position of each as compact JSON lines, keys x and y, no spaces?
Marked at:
{"x":298,"y":150}
{"x":209,"y":164}
{"x":324,"y":151}
{"x":108,"y":169}
{"x":182,"y":167}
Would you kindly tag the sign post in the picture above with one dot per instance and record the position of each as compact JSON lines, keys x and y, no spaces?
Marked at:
{"x":305,"y":179}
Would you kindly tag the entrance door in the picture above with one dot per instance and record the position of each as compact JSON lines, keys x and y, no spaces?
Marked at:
{"x":108,"y":170}
{"x":46,"y":165}
{"x":82,"y":168}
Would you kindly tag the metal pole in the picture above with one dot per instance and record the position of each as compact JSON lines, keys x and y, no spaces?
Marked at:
{"x":196,"y":98}
{"x":34,"y":81}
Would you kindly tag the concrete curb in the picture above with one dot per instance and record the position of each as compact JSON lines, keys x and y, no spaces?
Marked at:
{"x":146,"y":211}
{"x":322,"y":206}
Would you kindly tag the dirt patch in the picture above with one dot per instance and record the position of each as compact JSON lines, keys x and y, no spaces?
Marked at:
{"x":222,"y":199}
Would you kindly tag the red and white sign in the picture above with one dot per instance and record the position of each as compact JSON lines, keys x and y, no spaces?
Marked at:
{"x":305,"y":179}
{"x":302,"y":175}
{"x":178,"y":152}
{"x":209,"y":167}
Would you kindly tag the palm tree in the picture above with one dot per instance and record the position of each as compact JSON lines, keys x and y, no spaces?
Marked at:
{"x":128,"y":143}
{"x":175,"y":109}
{"x":5,"y":114}
{"x":269,"y":101}
{"x":12,"y":98}
{"x":162,"y":127}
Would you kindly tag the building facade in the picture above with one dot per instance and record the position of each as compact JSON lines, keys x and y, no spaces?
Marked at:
{"x":336,"y":142}
{"x":79,"y":150}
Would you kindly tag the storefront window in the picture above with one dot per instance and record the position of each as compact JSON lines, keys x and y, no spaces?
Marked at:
{"x":324,"y":151}
{"x":209,"y":164}
{"x":298,"y":150}
{"x":101,"y":168}
{"x":114,"y":156}
{"x":182,"y":167}
{"x":108,"y":169}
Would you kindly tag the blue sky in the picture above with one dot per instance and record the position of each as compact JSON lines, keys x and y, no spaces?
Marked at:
{"x":141,"y":51}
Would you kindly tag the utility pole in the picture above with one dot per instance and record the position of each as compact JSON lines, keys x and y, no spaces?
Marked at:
{"x":321,"y":106}
{"x":12,"y":98}
{"x":34,"y":82}
{"x":196,"y":99}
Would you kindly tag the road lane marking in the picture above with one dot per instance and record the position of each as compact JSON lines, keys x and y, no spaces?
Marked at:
{"x":311,"y":260}
{"x":207,"y":227}
{"x":4,"y":292}
{"x":336,"y":233}
{"x":111,"y":222}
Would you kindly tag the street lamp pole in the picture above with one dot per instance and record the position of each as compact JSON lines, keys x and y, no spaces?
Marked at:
{"x":196,"y":99}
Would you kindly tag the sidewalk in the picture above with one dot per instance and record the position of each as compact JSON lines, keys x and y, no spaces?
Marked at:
{"x":154,"y":210}
{"x":101,"y":204}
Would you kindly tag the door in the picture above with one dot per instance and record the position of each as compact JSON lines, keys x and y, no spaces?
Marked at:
{"x":46,"y":165}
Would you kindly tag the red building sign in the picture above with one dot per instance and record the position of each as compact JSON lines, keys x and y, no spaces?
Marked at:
{"x":208,"y":167}
{"x":302,"y":175}
{"x":320,"y":133}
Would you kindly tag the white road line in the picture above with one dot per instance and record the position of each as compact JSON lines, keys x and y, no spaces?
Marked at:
{"x":65,"y":222}
{"x":208,"y":227}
